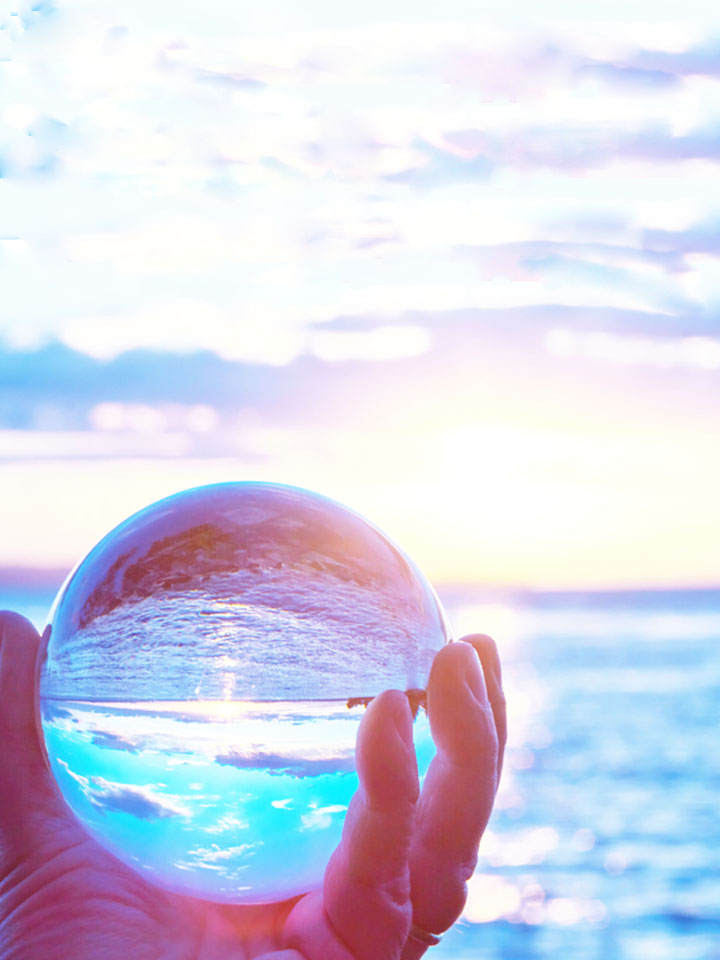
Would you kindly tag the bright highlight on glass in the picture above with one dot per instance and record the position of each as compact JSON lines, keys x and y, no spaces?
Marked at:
{"x":206,"y":672}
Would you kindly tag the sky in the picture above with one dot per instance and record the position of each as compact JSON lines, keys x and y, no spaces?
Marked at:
{"x":457,"y":269}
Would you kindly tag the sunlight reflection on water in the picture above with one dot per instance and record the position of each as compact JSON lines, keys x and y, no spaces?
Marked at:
{"x":600,"y":845}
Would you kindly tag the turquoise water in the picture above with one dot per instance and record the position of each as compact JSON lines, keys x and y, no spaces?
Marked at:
{"x":604,"y":841}
{"x":228,"y":800}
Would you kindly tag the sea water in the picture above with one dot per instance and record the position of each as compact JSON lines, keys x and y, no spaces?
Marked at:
{"x":603,"y":843}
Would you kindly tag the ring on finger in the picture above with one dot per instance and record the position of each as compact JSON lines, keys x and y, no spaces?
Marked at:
{"x":424,"y":937}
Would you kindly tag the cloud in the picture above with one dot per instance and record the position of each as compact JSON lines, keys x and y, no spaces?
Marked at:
{"x":375,"y":344}
{"x":112,"y":741}
{"x":51,"y":711}
{"x":174,"y":226}
{"x":511,"y":67}
{"x":60,"y":403}
{"x":528,"y":260}
{"x":701,"y":59}
{"x":143,"y":803}
{"x":215,"y":854}
{"x":178,"y":245}
{"x":570,"y":148}
{"x":279,"y":764}
{"x":229,"y":822}
{"x":28,"y":14}
{"x":628,"y":76}
{"x":57,"y":372}
{"x":320,"y":818}
{"x":664,"y":353}
{"x":438,"y":167}
{"x":702,"y":237}
{"x":221,"y":860}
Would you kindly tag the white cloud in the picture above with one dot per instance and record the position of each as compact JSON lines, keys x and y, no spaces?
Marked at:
{"x":46,"y":445}
{"x":19,"y":115}
{"x":248,"y":332}
{"x":207,"y":856}
{"x":300,"y":118}
{"x":320,"y":818}
{"x":182,"y":244}
{"x":702,"y":281}
{"x":620,"y":349}
{"x":227,"y":822}
{"x":382,"y":343}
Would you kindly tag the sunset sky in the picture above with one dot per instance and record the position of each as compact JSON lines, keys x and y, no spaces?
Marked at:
{"x":457,"y":270}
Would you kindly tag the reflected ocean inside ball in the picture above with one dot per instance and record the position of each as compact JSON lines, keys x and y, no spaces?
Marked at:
{"x":207,"y":668}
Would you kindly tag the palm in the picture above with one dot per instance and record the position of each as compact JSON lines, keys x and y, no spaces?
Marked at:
{"x":80,"y":895}
{"x":401,"y":858}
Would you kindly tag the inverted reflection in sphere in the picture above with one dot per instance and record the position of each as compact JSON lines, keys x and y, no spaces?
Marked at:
{"x":207,"y":668}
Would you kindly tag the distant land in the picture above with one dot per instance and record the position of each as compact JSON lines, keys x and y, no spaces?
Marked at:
{"x":50,"y":579}
{"x":36,"y":579}
{"x":457,"y":591}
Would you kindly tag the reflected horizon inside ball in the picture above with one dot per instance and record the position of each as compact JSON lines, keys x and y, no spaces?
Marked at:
{"x":207,"y":668}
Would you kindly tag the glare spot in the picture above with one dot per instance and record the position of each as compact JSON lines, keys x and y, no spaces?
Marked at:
{"x":615,"y":863}
{"x":133,"y":417}
{"x":499,"y":620}
{"x":583,"y":840}
{"x":568,"y":911}
{"x":529,"y":846}
{"x":490,"y":898}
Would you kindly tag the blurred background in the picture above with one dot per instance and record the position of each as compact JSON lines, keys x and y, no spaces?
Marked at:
{"x":458,"y":269}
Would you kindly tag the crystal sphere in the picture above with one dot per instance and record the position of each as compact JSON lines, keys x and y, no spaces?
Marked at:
{"x":206,"y":671}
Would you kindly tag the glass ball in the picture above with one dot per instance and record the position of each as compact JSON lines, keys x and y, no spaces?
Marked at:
{"x":207,"y":668}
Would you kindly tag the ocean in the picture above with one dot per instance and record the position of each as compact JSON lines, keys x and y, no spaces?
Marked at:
{"x":605,"y":839}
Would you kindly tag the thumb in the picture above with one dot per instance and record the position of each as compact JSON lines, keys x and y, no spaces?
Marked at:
{"x":25,"y":782}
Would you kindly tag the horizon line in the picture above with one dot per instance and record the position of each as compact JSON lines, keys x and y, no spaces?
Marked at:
{"x":19,"y":576}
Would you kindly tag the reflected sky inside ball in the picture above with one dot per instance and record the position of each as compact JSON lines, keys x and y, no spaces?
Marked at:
{"x":207,"y":669}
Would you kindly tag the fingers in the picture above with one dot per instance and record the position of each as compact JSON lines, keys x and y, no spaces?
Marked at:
{"x":310,"y":930}
{"x":19,"y":645}
{"x":460,"y":786}
{"x":25,"y":784}
{"x":367,"y":883}
{"x":492,"y":671}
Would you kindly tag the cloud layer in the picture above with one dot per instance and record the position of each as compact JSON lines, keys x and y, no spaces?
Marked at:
{"x":370,"y":251}
{"x":230,"y":190}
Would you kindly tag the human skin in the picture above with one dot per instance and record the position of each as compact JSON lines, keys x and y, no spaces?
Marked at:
{"x":404,"y":856}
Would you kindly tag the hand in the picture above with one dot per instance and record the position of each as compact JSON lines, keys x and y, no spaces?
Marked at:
{"x":402,"y":857}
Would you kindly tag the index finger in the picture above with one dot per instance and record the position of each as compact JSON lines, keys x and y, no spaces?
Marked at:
{"x":366,"y":908}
